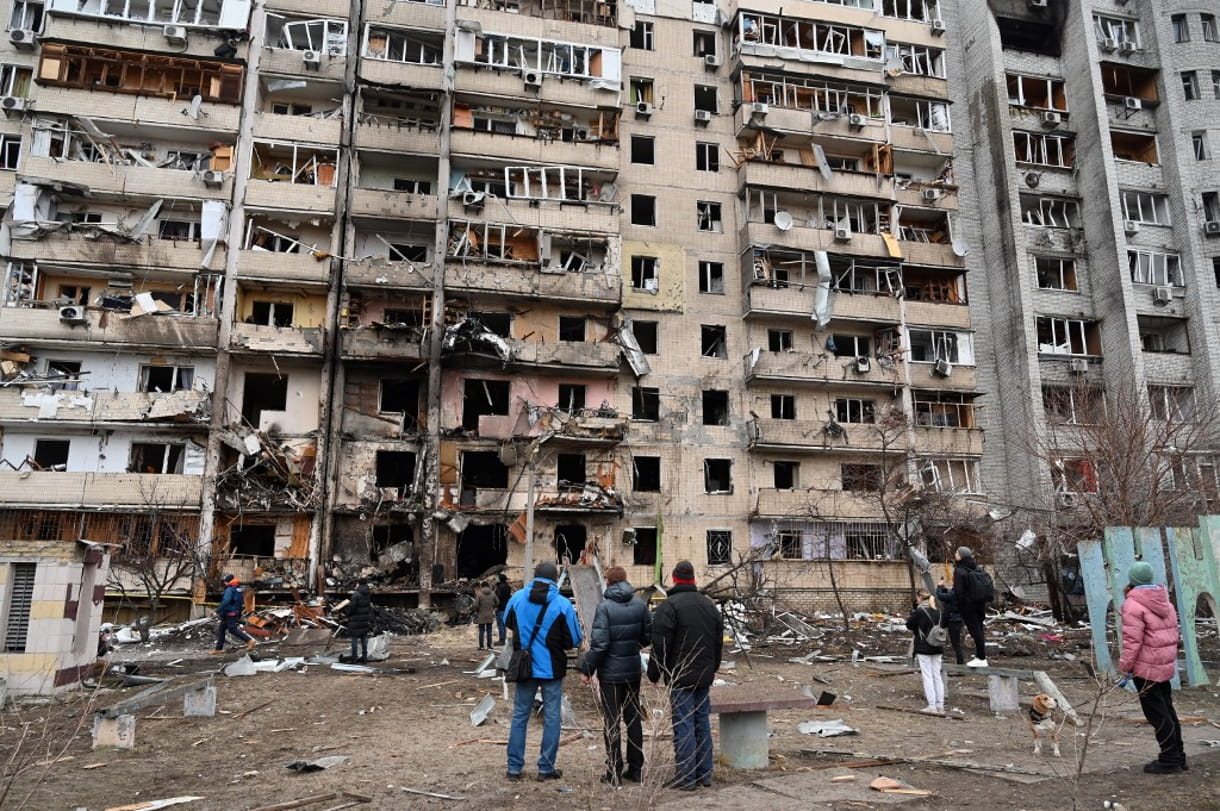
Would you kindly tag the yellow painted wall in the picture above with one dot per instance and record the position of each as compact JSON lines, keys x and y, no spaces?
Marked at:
{"x":670,"y":293}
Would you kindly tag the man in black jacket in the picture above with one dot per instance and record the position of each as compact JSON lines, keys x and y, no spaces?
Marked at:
{"x":972,"y":610}
{"x":687,"y":642}
{"x":503,"y":593}
{"x":360,"y":620}
{"x":621,"y":627}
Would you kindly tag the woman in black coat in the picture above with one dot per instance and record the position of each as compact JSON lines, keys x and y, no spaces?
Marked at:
{"x":360,"y":619}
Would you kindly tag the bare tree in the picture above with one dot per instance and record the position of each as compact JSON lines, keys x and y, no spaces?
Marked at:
{"x":1118,"y":458}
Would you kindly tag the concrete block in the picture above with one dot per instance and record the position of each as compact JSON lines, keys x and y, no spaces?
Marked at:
{"x":200,"y":703}
{"x":1003,"y":693}
{"x":119,"y":732}
{"x":743,"y":739}
{"x":242,"y":667}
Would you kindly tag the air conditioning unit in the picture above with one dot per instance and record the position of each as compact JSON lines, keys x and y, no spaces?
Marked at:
{"x":1078,"y":366}
{"x":213,"y":178}
{"x":938,"y":28}
{"x":1065,"y":500}
{"x":855,"y":120}
{"x":473,"y":201}
{"x":1126,"y":47}
{"x":703,"y":116}
{"x":930,"y":195}
{"x":942,"y":367}
{"x":863,"y":365}
{"x":14,"y":104}
{"x":1132,"y":103}
{"x":843,"y":233}
{"x":580,"y":133}
{"x":532,"y":78}
{"x":1131,"y":227}
{"x":1211,"y":228}
{"x":1108,"y":44}
{"x":312,"y":59}
{"x":175,"y":35}
{"x":74,"y":315}
{"x":711,"y":61}
{"x":643,"y":109}
{"x":22,"y":39}
{"x":1162,"y":295}
{"x":1050,"y":119}
{"x":759,"y":108}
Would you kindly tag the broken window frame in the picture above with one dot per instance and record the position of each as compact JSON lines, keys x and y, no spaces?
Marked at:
{"x":177,"y":12}
{"x":780,"y":340}
{"x":1050,"y":212}
{"x":1190,"y":85}
{"x":647,"y":482}
{"x":1077,"y":476}
{"x":951,"y":475}
{"x":645,"y":274}
{"x":1201,"y":145}
{"x":855,"y":411}
{"x":172,"y":458}
{"x":1145,"y":207}
{"x":26,"y":15}
{"x":953,"y":346}
{"x":930,"y":114}
{"x":645,"y":404}
{"x":399,"y":45}
{"x":130,"y":73}
{"x":304,"y":163}
{"x":492,"y":242}
{"x":812,"y":94}
{"x":846,"y":345}
{"x":916,"y":10}
{"x":182,"y":377}
{"x":1055,"y":273}
{"x":861,"y":277}
{"x":571,"y":398}
{"x":855,"y":477}
{"x":783,"y":406}
{"x":1159,"y":268}
{"x":651,"y":221}
{"x":1120,"y":29}
{"x":708,"y":217}
{"x":1176,"y":404}
{"x":917,"y":60}
{"x":1067,"y":336}
{"x":714,"y":341}
{"x":714,"y":400}
{"x":1121,"y":139}
{"x":711,"y":277}
{"x":566,"y":184}
{"x":712,"y":485}
{"x":1043,"y":149}
{"x":943,"y":409}
{"x":641,"y":37}
{"x":571,"y":60}
{"x":1052,"y":89}
{"x":15,"y":80}
{"x":807,"y":35}
{"x":1072,"y":405}
{"x":10,"y":151}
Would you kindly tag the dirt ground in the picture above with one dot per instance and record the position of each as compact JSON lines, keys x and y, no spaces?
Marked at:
{"x":413,"y":730}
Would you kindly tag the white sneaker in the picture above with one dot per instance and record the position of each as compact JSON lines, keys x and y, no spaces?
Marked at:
{"x":977,"y":662}
{"x":930,"y":709}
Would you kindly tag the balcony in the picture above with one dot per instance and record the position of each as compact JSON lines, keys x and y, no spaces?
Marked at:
{"x":386,"y":204}
{"x":103,"y":106}
{"x":273,"y":126}
{"x":797,"y":177}
{"x":923,"y":377}
{"x":815,"y":502}
{"x":277,"y":194}
{"x":528,"y":282}
{"x":508,"y":84}
{"x":279,"y":340}
{"x":787,"y":119}
{"x":948,"y":441}
{"x":815,"y":369}
{"x":381,"y":343}
{"x":410,"y":14}
{"x":297,"y":267}
{"x":393,"y":135}
{"x":381,"y":273}
{"x":938,"y":254}
{"x":43,"y":405}
{"x":105,"y":179}
{"x":817,"y":239}
{"x":551,"y":215}
{"x":797,"y":300}
{"x":291,"y":62}
{"x":526,"y":21}
{"x":21,"y":324}
{"x":115,"y":32}
{"x":45,"y":490}
{"x":161,"y":254}
{"x":921,"y":140}
{"x":928,"y":87}
{"x":939,"y":313}
{"x":402,"y":74}
{"x":800,"y":436}
{"x":593,"y":154}
{"x":912,"y":195}
{"x":583,"y":356}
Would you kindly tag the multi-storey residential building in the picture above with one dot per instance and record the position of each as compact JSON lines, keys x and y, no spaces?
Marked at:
{"x":389,"y":289}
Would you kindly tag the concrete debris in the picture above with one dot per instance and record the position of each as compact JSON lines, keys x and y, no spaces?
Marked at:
{"x":479,"y":714}
{"x":152,"y":805}
{"x":242,"y":667}
{"x":320,"y":764}
{"x":825,"y":729}
{"x":470,"y":335}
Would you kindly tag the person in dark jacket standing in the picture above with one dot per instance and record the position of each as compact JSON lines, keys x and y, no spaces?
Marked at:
{"x":360,"y":619}
{"x":544,"y":623}
{"x":484,"y":612}
{"x":622,"y":626}
{"x":229,"y":611}
{"x":687,"y":642}
{"x":953,"y":621}
{"x":503,"y":593}
{"x":920,"y":622}
{"x":972,"y":611}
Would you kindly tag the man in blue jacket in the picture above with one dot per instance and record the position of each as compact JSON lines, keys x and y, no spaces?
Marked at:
{"x":622,"y":625}
{"x":543,"y":621}
{"x":229,"y":612}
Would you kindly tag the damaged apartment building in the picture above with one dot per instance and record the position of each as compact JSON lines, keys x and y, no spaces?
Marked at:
{"x":376,"y":291}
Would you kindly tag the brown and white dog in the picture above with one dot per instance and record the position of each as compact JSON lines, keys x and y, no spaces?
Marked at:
{"x":1042,"y":723}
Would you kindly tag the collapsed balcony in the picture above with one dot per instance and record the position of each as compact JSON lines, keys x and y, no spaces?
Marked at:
{"x":398,"y":257}
{"x":292,"y":176}
{"x":264,"y":471}
{"x":277,"y":248}
{"x":385,"y":328}
{"x":305,"y":106}
{"x":159,"y":76}
{"x":397,"y":121}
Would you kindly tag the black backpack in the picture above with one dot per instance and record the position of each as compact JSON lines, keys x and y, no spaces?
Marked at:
{"x":979,"y":587}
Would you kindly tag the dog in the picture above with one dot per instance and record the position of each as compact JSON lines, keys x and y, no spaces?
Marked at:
{"x":1042,"y":723}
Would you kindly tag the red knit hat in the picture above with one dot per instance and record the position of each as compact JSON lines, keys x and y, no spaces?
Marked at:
{"x":684,"y":574}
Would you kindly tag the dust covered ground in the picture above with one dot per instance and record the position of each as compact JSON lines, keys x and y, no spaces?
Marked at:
{"x":413,"y":730}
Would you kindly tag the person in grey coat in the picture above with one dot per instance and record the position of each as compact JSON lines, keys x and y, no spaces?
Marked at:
{"x":622,"y":625}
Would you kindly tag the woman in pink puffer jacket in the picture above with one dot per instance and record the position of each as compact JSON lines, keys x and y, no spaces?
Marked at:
{"x":1149,"y":655}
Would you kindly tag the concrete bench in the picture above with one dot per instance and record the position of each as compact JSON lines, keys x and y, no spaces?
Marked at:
{"x":1002,"y":688}
{"x":743,"y":721}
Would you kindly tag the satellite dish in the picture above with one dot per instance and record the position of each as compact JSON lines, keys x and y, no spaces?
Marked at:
{"x":783,"y":220}
{"x":960,"y":248}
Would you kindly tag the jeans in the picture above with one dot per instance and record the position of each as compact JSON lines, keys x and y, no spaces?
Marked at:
{"x":500,"y":625}
{"x":484,"y":631}
{"x":621,"y":705}
{"x":230,"y":625}
{"x":363,"y":641}
{"x":1156,"y":700}
{"x":523,"y":707}
{"x":973,"y":618}
{"x":690,"y":710}
{"x":955,"y":637}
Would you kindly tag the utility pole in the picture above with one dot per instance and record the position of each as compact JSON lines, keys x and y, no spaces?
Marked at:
{"x":531,"y":473}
